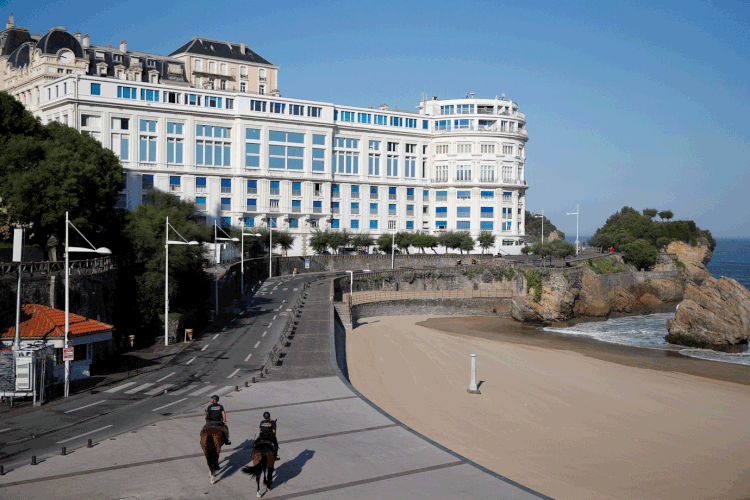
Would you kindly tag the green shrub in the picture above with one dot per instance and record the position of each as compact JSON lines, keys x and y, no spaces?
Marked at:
{"x":679,"y":263}
{"x":534,"y":280}
{"x":604,"y":265}
{"x":640,"y":254}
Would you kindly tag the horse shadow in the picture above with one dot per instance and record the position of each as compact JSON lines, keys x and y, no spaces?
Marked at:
{"x":291,"y":468}
{"x":241,"y":456}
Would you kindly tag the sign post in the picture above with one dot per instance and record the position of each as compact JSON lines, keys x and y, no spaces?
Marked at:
{"x":473,"y":389}
{"x":68,"y":354}
{"x":307,"y":263}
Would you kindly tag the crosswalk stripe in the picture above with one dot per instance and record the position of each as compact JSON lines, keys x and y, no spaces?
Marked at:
{"x":139,"y":388}
{"x":184,"y":389}
{"x":120,"y":387}
{"x":201,"y":391}
{"x":159,"y":389}
{"x":225,"y":389}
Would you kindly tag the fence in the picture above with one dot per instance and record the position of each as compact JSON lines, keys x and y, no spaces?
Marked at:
{"x":290,"y":328}
{"x":365,"y":297}
{"x":47,"y":268}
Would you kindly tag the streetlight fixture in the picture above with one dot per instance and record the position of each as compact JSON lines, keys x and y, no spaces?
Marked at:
{"x":216,"y":261}
{"x":68,"y":249}
{"x":542,"y":216}
{"x":166,"y":273}
{"x":242,"y":265}
{"x":576,"y":214}
{"x":351,"y":281}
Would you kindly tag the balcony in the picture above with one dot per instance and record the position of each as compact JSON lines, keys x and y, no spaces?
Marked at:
{"x":441,"y":198}
{"x":373,"y":196}
{"x":409,"y":197}
{"x":226,"y":207}
{"x":483,"y":129}
{"x":201,"y":207}
{"x":175,"y":188}
{"x":317,"y":210}
{"x":335,"y":195}
{"x":373,"y":211}
{"x":200,"y":189}
{"x":391,"y":211}
{"x":252,"y":190}
{"x":296,"y":210}
{"x":274,"y":207}
{"x":392,"y":197}
{"x":296,"y":192}
{"x":275,"y":192}
{"x":410,"y":213}
{"x":355,"y":195}
{"x":335,"y":210}
{"x":355,"y":211}
{"x":243,"y":76}
{"x":226,"y":190}
{"x":486,"y":215}
{"x":212,"y":72}
{"x":262,"y":78}
{"x":247,"y":209}
{"x":487,"y":179}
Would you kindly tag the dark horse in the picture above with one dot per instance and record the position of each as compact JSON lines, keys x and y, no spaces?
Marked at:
{"x":263,"y":458}
{"x":211,"y":439}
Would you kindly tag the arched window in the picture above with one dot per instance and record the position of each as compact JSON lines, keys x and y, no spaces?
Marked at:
{"x":223,"y":68}
{"x":211,"y":67}
{"x":198,"y":64}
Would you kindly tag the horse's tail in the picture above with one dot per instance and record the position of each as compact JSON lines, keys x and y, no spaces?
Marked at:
{"x":255,"y":470}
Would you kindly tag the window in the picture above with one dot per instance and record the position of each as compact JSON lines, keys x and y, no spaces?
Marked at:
{"x":226,"y":186}
{"x":487,"y":173}
{"x":441,"y":211}
{"x":335,"y":207}
{"x":252,"y":147}
{"x":174,"y":142}
{"x":147,"y":183}
{"x":317,"y":189}
{"x":373,"y":224}
{"x":410,"y":168}
{"x":296,"y":189}
{"x":507,"y":150}
{"x":392,"y":166}
{"x":213,"y":146}
{"x":463,"y":173}
{"x":261,"y":89}
{"x":392,"y":209}
{"x":335,"y":223}
{"x":274,"y":205}
{"x":355,"y":192}
{"x":396,"y":121}
{"x":461,"y":124}
{"x":507,"y":173}
{"x":225,"y":221}
{"x":391,"y":224}
{"x":486,"y":225}
{"x":90,"y":121}
{"x":374,"y":145}
{"x":296,"y":206}
{"x":346,"y":162}
{"x":463,"y":148}
{"x":443,"y":125}
{"x":354,"y":224}
{"x":212,"y":102}
{"x":317,"y":207}
{"x":149,"y":95}
{"x":243,"y":87}
{"x":355,"y":209}
{"x":294,"y":222}
{"x":230,"y":104}
{"x":410,"y":210}
{"x":346,"y":116}
{"x":446,"y":110}
{"x":410,"y":148}
{"x":373,"y":192}
{"x":441,"y":173}
{"x":488,"y":148}
{"x":411,"y":123}
{"x":391,"y":193}
{"x":520,"y":172}
{"x":252,"y":186}
{"x":258,"y":106}
{"x":487,"y":195}
{"x":373,"y":167}
{"x":364,"y":117}
{"x":174,"y":183}
{"x":171,"y":97}
{"x":426,"y":124}
{"x":296,"y":110}
{"x":121,"y":141}
{"x":463,"y":224}
{"x":410,"y":194}
{"x":319,"y":140}
{"x":314,"y":112}
{"x":507,"y":196}
{"x":392,"y":146}
{"x":277,"y":107}
{"x":441,"y":149}
{"x":487,"y":212}
{"x":249,"y":222}
{"x":122,"y":201}
{"x":285,"y":156}
{"x":507,"y":226}
{"x":96,"y":89}
{"x":318,"y":160}
{"x":463,"y":195}
{"x":410,"y":224}
{"x":464,"y":109}
{"x":373,"y":209}
{"x":193,"y":100}
{"x":200,"y":203}
{"x":275,"y":189}
{"x":441,"y":196}
{"x":463,"y":212}
{"x":441,"y":224}
{"x":126,"y":92}
{"x":200,"y":184}
{"x":148,"y":140}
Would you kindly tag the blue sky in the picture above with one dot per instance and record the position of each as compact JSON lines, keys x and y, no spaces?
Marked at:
{"x":627,"y":103}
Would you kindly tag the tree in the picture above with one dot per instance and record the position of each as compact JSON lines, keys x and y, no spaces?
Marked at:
{"x":338,"y":239}
{"x":650,"y":212}
{"x":486,"y":240}
{"x":189,"y":286}
{"x":362,"y":241}
{"x":53,"y":170}
{"x":422,"y":241}
{"x":319,"y":241}
{"x":404,"y":240}
{"x":666,"y":214}
{"x":533,"y":226}
{"x":450,"y":240}
{"x":466,"y":242}
{"x":639,"y":253}
{"x":284,"y":239}
{"x":385,"y":242}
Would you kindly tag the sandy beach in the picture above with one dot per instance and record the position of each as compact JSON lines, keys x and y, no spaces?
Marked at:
{"x":570,"y":418}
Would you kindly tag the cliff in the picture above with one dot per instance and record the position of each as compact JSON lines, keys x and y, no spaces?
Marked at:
{"x":694,"y":258}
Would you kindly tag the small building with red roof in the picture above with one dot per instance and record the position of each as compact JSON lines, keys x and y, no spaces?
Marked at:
{"x":91,"y":340}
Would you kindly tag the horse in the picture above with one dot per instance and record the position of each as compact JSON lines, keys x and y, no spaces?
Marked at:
{"x":263,"y":459}
{"x":211,"y":440}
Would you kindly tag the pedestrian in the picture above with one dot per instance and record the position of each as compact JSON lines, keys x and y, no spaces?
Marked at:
{"x":612,"y":249}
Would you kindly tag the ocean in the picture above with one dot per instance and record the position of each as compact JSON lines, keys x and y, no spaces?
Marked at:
{"x":731,"y":259}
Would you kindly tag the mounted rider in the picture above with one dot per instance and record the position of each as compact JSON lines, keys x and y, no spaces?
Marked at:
{"x":215,"y":415}
{"x":268,"y":433}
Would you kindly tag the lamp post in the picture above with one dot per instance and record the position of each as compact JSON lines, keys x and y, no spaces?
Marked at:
{"x":576,"y":214}
{"x":270,"y":247}
{"x":68,"y":249}
{"x":166,"y":273}
{"x":242,"y":259}
{"x":216,"y":261}
{"x":393,"y":250}
{"x":542,"y":216}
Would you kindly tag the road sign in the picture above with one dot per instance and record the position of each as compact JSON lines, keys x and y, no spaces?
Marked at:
{"x":307,"y":263}
{"x":67,"y":354}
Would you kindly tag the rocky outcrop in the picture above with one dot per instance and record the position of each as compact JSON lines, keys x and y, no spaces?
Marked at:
{"x":717,"y":313}
{"x":593,"y":297}
{"x":695,"y":259}
{"x":554,"y":305}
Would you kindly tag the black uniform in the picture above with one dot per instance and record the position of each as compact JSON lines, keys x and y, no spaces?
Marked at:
{"x":215,"y":416}
{"x":268,"y":431}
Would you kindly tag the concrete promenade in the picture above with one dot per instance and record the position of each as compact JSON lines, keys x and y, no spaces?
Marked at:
{"x":334,"y":444}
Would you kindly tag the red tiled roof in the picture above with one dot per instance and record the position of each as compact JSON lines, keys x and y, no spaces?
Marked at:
{"x":46,"y":322}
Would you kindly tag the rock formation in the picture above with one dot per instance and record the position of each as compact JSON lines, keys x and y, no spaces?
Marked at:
{"x":717,"y":313}
{"x":695,"y":259}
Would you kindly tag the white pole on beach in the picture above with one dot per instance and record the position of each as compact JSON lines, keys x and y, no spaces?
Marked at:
{"x":473,"y":386}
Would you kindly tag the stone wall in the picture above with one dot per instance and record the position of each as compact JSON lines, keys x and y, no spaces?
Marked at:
{"x":318,"y":263}
{"x":494,"y":307}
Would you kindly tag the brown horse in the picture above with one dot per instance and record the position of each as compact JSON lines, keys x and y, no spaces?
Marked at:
{"x":211,"y":440}
{"x":263,"y":458}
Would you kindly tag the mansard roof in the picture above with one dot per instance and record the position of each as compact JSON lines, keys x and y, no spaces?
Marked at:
{"x":217,"y":48}
{"x":21,"y":56}
{"x":12,"y":38}
{"x":56,"y":39}
{"x":170,"y":70}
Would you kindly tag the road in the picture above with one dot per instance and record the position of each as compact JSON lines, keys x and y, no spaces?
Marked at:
{"x":213,"y":364}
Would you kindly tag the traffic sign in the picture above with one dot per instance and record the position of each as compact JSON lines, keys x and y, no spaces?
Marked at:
{"x":67,"y":354}
{"x":307,"y":263}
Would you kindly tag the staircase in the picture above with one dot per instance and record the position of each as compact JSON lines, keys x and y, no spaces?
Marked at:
{"x":342,"y":309}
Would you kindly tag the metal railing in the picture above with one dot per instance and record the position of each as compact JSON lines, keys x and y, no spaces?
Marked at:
{"x":366,"y":297}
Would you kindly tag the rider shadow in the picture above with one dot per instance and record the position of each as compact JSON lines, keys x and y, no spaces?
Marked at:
{"x":291,"y":468}
{"x":241,"y":456}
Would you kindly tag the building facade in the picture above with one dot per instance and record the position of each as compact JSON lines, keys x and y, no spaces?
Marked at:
{"x":208,"y":124}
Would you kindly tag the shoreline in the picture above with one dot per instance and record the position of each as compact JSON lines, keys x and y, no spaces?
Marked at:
{"x":510,"y":331}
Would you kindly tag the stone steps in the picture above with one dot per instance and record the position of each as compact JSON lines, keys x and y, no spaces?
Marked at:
{"x":342,"y":309}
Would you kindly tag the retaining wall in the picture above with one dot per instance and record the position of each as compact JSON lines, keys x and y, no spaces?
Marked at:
{"x":494,"y":307}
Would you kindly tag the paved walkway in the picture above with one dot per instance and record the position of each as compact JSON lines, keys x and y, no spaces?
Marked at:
{"x":334,"y":444}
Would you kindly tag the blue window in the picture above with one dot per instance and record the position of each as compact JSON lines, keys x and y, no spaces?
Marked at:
{"x":425,"y":124}
{"x":148,"y":148}
{"x":200,"y":181}
{"x":507,"y":193}
{"x":355,"y":206}
{"x":252,"y":187}
{"x":252,"y":154}
{"x":226,"y":202}
{"x":319,"y":140}
{"x":355,"y":224}
{"x":317,"y":204}
{"x":355,"y":189}
{"x":373,"y":224}
{"x":391,"y":190}
{"x":335,"y":191}
{"x":174,"y":180}
{"x":374,"y":190}
{"x":335,"y":223}
{"x":486,"y":210}
{"x":249,"y":221}
{"x":463,"y":194}
{"x":463,"y":212}
{"x":275,"y":162}
{"x":486,"y":225}
{"x":126,"y":92}
{"x":271,"y":221}
{"x":147,"y":181}
{"x":296,"y":138}
{"x":319,"y":156}
{"x":409,"y":191}
{"x":226,"y":183}
{"x":258,"y":106}
{"x":441,"y":195}
{"x":226,"y":221}
{"x":96,"y":89}
{"x":276,"y":107}
{"x":296,"y":203}
{"x":149,"y":95}
{"x":252,"y":204}
{"x":506,"y":226}
{"x":426,"y":193}
{"x":487,"y":194}
{"x":335,"y":204}
{"x":373,"y":206}
{"x":252,"y":134}
{"x":392,"y":206}
{"x":296,"y":186}
{"x":443,"y":125}
{"x":148,"y":126}
{"x":441,"y":224}
{"x":459,"y":124}
{"x":410,"y":224}
{"x":293,"y":222}
{"x":463,"y":224}
{"x":274,"y":185}
{"x":200,"y":202}
{"x":275,"y":135}
{"x":441,"y":211}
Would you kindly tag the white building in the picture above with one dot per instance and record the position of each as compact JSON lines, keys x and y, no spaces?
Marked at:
{"x":249,"y":159}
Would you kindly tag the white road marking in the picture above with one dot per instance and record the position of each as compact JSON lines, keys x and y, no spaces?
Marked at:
{"x":225,"y":389}
{"x":284,"y":289}
{"x":139,"y":388}
{"x":81,"y":408}
{"x":215,"y":336}
{"x":248,"y":357}
{"x":184,"y":389}
{"x":283,"y":301}
{"x":201,"y":391}
{"x":204,"y":347}
{"x":233,"y":373}
{"x":159,"y":389}
{"x":85,"y":434}
{"x":264,"y":333}
{"x":121,"y":387}
{"x":274,"y":317}
{"x":256,"y":344}
{"x":9,"y":428}
{"x":296,"y":289}
{"x":170,"y":404}
{"x":165,"y":378}
{"x":191,"y":360}
{"x":288,"y":310}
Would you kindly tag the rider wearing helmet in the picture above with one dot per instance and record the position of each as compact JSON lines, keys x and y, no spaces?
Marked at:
{"x":216,"y":415}
{"x":268,"y":432}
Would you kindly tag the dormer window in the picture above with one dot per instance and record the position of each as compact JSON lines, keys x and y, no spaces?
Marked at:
{"x":150,"y":62}
{"x":134,"y":60}
{"x":117,"y":58}
{"x":99,"y":55}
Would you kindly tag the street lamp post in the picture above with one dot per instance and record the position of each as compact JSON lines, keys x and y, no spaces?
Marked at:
{"x":166,"y":274}
{"x":393,"y":250}
{"x":216,"y":262}
{"x":68,"y":249}
{"x":270,"y":247}
{"x":542,"y":216}
{"x":242,"y":259}
{"x":576,"y":214}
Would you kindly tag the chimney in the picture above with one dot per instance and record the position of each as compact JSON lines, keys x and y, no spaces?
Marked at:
{"x":242,"y":48}
{"x":383,"y":107}
{"x":77,"y":35}
{"x":85,"y":41}
{"x":434,"y":98}
{"x":123,"y":46}
{"x":11,"y":22}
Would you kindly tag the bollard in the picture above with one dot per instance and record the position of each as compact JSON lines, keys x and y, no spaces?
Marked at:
{"x":2,"y":470}
{"x":236,"y":388}
{"x":473,"y":389}
{"x":64,"y":451}
{"x":90,"y":445}
{"x":253,"y":380}
{"x":33,"y":459}
{"x":247,"y":384}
